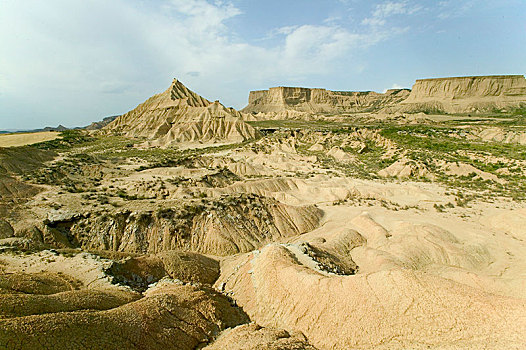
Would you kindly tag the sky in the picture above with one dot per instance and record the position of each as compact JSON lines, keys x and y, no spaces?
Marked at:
{"x":72,"y":62}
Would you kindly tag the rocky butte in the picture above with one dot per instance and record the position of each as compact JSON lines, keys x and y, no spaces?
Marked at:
{"x":466,"y":94}
{"x":180,"y":115}
{"x":279,"y":99}
{"x":473,"y":94}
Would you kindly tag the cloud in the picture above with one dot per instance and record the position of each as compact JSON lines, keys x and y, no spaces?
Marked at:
{"x":308,"y":50}
{"x":185,"y":36}
{"x":332,"y":20}
{"x":93,"y":58}
{"x":204,"y":17}
{"x":394,"y":86}
{"x":389,"y":9}
{"x":276,"y":32}
{"x":374,"y":21}
{"x":311,"y":44}
{"x":451,"y":9}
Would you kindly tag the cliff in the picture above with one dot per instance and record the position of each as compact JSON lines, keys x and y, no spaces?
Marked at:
{"x":279,"y":99}
{"x":180,"y":115}
{"x":466,"y":94}
{"x":229,"y":225}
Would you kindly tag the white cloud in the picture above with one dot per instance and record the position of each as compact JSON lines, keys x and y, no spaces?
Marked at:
{"x":389,"y":9}
{"x":394,"y":86}
{"x":310,"y":43}
{"x":280,"y":31}
{"x":202,"y":16}
{"x":451,"y":9}
{"x":92,"y":58}
{"x":333,"y":20}
{"x":374,"y":21}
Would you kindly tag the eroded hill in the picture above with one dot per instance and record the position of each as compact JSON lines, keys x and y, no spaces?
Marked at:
{"x":180,"y":115}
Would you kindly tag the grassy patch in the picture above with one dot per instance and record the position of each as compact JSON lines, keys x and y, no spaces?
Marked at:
{"x":68,"y":139}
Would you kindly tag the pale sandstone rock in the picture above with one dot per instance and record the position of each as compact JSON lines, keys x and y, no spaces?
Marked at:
{"x":466,"y":94}
{"x":253,"y":337}
{"x":232,"y":225}
{"x":388,"y":309}
{"x":281,"y":99}
{"x":496,"y":134}
{"x":180,"y":115}
{"x":171,"y":317}
{"x":342,"y":156}
{"x":317,"y":148}
{"x":406,"y":168}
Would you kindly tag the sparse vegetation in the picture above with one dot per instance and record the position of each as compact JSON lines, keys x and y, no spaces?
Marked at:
{"x":412,"y":198}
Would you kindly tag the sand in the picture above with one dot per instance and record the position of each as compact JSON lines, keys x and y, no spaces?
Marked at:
{"x":22,"y":139}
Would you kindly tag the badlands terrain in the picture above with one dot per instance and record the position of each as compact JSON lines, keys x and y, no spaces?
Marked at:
{"x":311,"y":219}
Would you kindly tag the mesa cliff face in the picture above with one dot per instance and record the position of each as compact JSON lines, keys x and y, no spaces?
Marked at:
{"x":466,"y":94}
{"x":181,"y":115}
{"x":278,"y":99}
{"x":441,"y":95}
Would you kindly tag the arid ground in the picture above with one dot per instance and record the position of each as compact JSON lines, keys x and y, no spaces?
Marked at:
{"x":324,"y":221}
{"x":22,"y":139}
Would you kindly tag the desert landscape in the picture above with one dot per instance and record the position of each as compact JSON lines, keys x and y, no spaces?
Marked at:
{"x":310,"y":219}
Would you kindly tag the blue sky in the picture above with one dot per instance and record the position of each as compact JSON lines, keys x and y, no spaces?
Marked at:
{"x":71,"y":62}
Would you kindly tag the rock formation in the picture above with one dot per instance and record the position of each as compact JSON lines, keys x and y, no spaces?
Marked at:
{"x":406,"y":168}
{"x":388,"y":309}
{"x":181,"y":115}
{"x":466,"y":94}
{"x":254,"y":337}
{"x":441,"y":95}
{"x":235,"y":224}
{"x":496,"y":134}
{"x":168,"y":317}
{"x":102,"y":123}
{"x":279,"y":99}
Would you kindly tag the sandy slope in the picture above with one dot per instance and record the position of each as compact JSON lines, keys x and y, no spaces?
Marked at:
{"x":15,"y":140}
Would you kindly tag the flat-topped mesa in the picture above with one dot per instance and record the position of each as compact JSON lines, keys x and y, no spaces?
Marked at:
{"x":180,"y":115}
{"x":315,"y":100}
{"x":466,"y":94}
